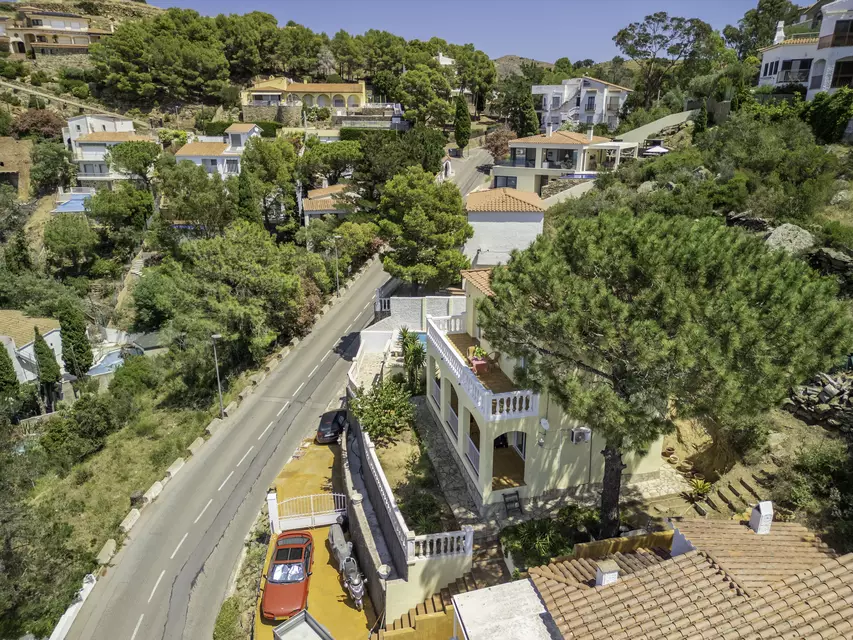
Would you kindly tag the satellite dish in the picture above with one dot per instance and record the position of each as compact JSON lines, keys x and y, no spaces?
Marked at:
{"x":544,"y":424}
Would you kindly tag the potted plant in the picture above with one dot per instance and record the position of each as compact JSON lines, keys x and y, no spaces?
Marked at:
{"x":699,"y":488}
{"x":479,"y":353}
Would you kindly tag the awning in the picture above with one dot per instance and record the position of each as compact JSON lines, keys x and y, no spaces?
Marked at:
{"x":656,"y":150}
{"x":614,"y":144}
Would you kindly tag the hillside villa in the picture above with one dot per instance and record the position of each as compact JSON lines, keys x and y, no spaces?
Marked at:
{"x":503,"y":219}
{"x":537,"y":160}
{"x":579,"y":101}
{"x":821,"y":59}
{"x":38,"y":32}
{"x":509,"y":440}
{"x":88,"y":137}
{"x":326,"y":201}
{"x":220,"y":154}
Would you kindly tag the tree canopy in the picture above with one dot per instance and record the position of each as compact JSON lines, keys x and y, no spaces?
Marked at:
{"x":52,"y":167}
{"x":618,"y":316}
{"x":135,"y":158}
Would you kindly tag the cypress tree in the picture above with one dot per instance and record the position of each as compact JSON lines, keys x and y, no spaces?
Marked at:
{"x":8,"y":379}
{"x":247,"y":204}
{"x":528,"y":122}
{"x":48,"y":369}
{"x":462,"y":123}
{"x":76,"y":350}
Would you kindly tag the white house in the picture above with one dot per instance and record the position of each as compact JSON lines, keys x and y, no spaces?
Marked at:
{"x":17,"y":337}
{"x":503,"y":220}
{"x":221,"y":156}
{"x":88,"y":137}
{"x":820,"y":60}
{"x":444,"y":60}
{"x":580,"y":101}
{"x":330,"y":200}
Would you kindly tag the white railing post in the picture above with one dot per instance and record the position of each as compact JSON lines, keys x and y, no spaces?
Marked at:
{"x":469,"y":538}
{"x":272,"y":509}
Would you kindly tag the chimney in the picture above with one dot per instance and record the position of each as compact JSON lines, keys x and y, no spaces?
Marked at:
{"x":589,"y":133}
{"x":762,"y":517}
{"x":606,"y":573}
{"x":549,"y":128}
{"x":780,"y":32}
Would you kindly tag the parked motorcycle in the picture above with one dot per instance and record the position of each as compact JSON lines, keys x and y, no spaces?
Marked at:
{"x":338,"y":545}
{"x":354,"y":582}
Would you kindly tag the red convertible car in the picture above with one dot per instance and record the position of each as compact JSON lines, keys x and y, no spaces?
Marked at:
{"x":285,"y":590}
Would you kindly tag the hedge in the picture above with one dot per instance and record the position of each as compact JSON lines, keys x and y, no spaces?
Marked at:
{"x":268,"y":129}
{"x":357,"y":135}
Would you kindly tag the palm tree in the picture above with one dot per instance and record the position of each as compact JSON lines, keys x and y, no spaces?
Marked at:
{"x":414,"y":358}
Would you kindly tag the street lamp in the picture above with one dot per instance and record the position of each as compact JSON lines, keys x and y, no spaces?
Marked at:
{"x":337,"y":282}
{"x":213,"y":339}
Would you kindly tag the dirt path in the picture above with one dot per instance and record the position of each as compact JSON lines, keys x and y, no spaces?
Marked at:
{"x":34,"y":227}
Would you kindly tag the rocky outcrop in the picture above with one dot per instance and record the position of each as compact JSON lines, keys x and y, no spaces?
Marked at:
{"x":790,"y":238}
{"x":827,"y":400}
{"x":843,"y":197}
{"x":746,"y":220}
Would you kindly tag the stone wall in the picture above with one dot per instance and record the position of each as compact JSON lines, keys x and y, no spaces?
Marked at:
{"x":827,"y":400}
{"x":52,"y":65}
{"x":557,"y":186}
{"x":260,"y":114}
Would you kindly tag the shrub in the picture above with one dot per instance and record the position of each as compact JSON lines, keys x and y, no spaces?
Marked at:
{"x":828,"y":115}
{"x":81,"y":91}
{"x":383,"y":411}
{"x":38,"y":78}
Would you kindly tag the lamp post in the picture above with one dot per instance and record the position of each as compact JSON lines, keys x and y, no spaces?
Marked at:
{"x":213,"y":339}
{"x":337,"y":282}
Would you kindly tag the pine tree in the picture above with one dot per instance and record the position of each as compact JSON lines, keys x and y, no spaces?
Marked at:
{"x":8,"y":378}
{"x":49,"y":373}
{"x":462,"y":124}
{"x":76,"y":350}
{"x":700,"y":124}
{"x":18,"y":259}
{"x":247,"y":204}
{"x":528,"y":124}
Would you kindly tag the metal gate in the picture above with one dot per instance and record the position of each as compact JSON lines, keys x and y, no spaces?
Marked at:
{"x":311,"y":511}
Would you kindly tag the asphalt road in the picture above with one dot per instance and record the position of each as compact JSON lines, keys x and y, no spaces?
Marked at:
{"x":472,"y":170}
{"x":171,"y":576}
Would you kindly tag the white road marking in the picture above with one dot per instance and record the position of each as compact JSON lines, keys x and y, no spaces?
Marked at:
{"x":313,"y":371}
{"x":202,"y":511}
{"x":282,"y":410}
{"x":349,"y":326}
{"x":172,"y":557}
{"x":224,"y":481}
{"x":265,"y":430}
{"x":156,"y":584}
{"x":245,"y":454}
{"x":136,"y":628}
{"x":299,"y":389}
{"x":328,"y":353}
{"x":365,"y":306}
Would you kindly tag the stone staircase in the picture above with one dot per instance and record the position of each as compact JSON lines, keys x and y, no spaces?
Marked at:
{"x":430,"y":615}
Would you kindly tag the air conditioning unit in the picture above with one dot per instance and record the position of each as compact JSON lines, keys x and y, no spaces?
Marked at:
{"x":581,"y":434}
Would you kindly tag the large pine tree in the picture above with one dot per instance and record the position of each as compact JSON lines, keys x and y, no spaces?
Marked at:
{"x":49,"y":373}
{"x":76,"y":349}
{"x":462,"y":124}
{"x":623,"y":319}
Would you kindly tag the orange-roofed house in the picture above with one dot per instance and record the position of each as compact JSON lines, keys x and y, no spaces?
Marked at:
{"x":580,"y":101}
{"x":509,"y":441}
{"x":503,"y":219}
{"x":89,"y":137}
{"x":816,"y":52}
{"x":281,"y":91}
{"x":535,"y":161}
{"x":220,"y":154}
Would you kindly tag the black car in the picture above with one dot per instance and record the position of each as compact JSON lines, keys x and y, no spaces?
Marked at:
{"x":331,"y":426}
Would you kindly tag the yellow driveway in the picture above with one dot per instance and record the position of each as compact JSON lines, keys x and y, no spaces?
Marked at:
{"x":328,"y":602}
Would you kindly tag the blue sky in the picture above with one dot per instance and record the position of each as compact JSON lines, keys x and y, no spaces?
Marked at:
{"x":540,"y":29}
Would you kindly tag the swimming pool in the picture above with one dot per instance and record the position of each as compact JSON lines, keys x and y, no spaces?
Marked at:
{"x":421,"y":337}
{"x":110,"y":362}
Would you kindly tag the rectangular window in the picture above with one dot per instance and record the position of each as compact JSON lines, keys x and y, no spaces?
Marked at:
{"x":590,"y":103}
{"x":236,"y":140}
{"x":37,"y":22}
{"x":842,"y":36}
{"x":589,"y":119}
{"x":843,"y":75}
{"x":555,"y":102}
{"x":506,"y":181}
{"x":766,"y":67}
{"x":232,"y":166}
{"x":520,"y":444}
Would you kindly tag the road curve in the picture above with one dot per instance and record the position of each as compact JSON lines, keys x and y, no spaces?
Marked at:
{"x":170,"y":577}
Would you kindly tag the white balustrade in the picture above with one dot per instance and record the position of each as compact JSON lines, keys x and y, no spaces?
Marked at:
{"x":453,"y":421}
{"x":436,"y":391}
{"x":388,"y":501}
{"x":494,"y":406}
{"x":452,"y":543}
{"x":473,"y":455}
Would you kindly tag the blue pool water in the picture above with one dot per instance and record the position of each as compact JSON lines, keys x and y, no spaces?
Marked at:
{"x":108,"y":364}
{"x":75,"y":204}
{"x":421,"y":337}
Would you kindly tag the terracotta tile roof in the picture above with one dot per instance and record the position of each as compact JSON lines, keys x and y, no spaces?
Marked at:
{"x":791,"y":41}
{"x":325,"y":192}
{"x":20,"y":327}
{"x":114,"y":136}
{"x":503,"y":199}
{"x":241,"y":127}
{"x":560,"y":137}
{"x":324,"y":87}
{"x":757,"y":560}
{"x":576,"y":572}
{"x":273,"y":83}
{"x":202,"y":149}
{"x":323,"y":204}
{"x":608,"y":83}
{"x":480,"y":279}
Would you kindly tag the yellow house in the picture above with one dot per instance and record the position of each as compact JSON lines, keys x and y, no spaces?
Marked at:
{"x":508,"y":438}
{"x":282,"y":92}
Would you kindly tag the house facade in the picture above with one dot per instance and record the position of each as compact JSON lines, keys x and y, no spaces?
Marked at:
{"x":503,"y":219}
{"x":281,"y":91}
{"x":39,"y":32}
{"x":536,"y":160}
{"x":88,"y":137}
{"x":822,"y":60}
{"x":220,"y":155}
{"x":326,"y":201}
{"x":17,"y":337}
{"x":507,"y":438}
{"x":579,"y":101}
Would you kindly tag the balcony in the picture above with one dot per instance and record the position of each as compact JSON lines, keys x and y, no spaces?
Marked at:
{"x":516,"y":162}
{"x":835,"y":40}
{"x":793,"y":75}
{"x":490,"y":390}
{"x":589,"y":107}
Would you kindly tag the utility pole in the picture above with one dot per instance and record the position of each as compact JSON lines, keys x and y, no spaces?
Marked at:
{"x":213,"y":339}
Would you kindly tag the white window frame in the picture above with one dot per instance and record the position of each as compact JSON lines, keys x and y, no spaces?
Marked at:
{"x":520,"y":444}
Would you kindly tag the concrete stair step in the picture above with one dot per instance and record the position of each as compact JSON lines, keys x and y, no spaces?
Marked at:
{"x":751,"y":489}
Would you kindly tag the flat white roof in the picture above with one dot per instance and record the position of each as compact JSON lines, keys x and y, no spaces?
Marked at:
{"x":511,"y":611}
{"x":613,"y":144}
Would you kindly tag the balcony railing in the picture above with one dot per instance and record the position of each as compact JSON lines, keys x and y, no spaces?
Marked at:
{"x":835,"y":40}
{"x":528,"y":164}
{"x":589,"y":107}
{"x":493,"y":406}
{"x":792,"y":75}
{"x":453,"y":422}
{"x":473,"y":455}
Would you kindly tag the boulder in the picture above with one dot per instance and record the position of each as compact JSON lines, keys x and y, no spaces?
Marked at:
{"x":646,"y":187}
{"x":845,"y":196}
{"x":790,"y":238}
{"x":137,"y":498}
